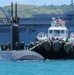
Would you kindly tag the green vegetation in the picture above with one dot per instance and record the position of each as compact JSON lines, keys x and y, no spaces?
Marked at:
{"x":29,"y":10}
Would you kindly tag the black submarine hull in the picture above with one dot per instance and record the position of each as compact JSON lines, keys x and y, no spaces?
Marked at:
{"x":20,"y":55}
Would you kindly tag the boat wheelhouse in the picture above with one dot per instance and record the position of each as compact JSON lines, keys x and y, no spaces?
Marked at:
{"x":58,"y":30}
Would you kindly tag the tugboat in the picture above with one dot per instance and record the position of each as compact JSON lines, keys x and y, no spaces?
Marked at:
{"x":56,"y":45}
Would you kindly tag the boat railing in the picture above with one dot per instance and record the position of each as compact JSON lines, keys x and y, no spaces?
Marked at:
{"x":58,"y":22}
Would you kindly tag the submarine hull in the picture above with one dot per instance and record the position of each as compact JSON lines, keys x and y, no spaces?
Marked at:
{"x":20,"y":55}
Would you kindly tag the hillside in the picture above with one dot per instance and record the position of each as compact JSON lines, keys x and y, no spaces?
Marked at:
{"x":29,"y":10}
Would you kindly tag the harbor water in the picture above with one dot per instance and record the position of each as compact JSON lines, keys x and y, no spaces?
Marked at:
{"x":51,"y":67}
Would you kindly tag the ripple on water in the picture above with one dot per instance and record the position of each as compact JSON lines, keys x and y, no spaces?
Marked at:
{"x":51,"y":67}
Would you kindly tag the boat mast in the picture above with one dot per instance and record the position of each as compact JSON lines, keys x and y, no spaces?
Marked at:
{"x":72,"y":5}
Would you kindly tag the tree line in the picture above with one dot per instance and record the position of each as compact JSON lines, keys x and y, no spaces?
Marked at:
{"x":25,"y":11}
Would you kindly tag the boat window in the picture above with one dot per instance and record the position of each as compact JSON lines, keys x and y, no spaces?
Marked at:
{"x":56,"y":31}
{"x":50,"y":31}
{"x":62,"y":31}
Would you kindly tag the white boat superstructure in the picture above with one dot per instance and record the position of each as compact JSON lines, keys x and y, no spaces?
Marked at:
{"x":58,"y":30}
{"x":72,"y":38}
{"x":41,"y":36}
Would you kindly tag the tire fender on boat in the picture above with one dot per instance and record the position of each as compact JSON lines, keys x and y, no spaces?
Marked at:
{"x":57,"y":45}
{"x":46,"y":45}
{"x":67,"y":47}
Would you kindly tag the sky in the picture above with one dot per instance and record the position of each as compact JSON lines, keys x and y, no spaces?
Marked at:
{"x":35,"y":2}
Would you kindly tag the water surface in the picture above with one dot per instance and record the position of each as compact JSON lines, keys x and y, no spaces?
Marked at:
{"x":52,"y":67}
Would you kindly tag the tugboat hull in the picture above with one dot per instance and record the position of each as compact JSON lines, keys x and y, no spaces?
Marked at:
{"x":66,"y":50}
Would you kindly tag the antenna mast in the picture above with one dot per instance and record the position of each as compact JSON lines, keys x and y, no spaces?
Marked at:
{"x":72,"y":5}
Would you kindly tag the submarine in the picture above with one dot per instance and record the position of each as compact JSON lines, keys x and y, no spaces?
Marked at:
{"x":11,"y":51}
